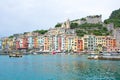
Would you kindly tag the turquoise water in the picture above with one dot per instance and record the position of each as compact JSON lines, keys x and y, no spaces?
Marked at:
{"x":56,"y":67}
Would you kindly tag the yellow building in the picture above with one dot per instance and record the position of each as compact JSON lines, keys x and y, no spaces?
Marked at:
{"x":71,"y":43}
{"x":11,"y":44}
{"x":75,"y":43}
{"x":100,"y":42}
{"x":46,"y":43}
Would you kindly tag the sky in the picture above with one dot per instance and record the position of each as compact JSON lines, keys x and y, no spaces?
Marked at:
{"x":18,"y":16}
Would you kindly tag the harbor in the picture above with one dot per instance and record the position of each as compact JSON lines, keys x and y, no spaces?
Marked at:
{"x":59,"y":40}
{"x":56,"y":67}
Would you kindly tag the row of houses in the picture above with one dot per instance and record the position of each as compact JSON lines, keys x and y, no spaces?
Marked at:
{"x":61,"y":39}
{"x":60,"y":43}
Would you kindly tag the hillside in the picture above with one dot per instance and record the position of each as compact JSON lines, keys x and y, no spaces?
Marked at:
{"x":94,"y":24}
{"x":88,"y":25}
{"x":88,"y":28}
{"x":114,"y":18}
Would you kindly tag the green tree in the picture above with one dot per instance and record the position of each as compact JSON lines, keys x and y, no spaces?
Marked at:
{"x":80,"y":33}
{"x":58,"y":25}
{"x":41,"y":31}
{"x":74,"y":25}
{"x":11,"y":36}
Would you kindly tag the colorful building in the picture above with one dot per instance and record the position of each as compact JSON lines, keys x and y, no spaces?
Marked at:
{"x":10,"y":44}
{"x":69,"y":43}
{"x":75,"y":44}
{"x":63,"y":40}
{"x":35,"y":42}
{"x":80,"y":45}
{"x":17,"y":44}
{"x":30,"y":42}
{"x":89,"y":42}
{"x":4,"y":44}
{"x":46,"y":43}
{"x":23,"y":43}
{"x":100,"y":43}
{"x":111,"y":44}
{"x":41,"y":42}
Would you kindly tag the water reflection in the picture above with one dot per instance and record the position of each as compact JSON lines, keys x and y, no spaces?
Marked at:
{"x":68,"y":67}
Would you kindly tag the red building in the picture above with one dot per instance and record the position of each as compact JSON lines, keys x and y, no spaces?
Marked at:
{"x":22,"y":43}
{"x":25,"y":43}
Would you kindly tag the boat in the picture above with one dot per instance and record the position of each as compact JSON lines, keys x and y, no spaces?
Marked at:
{"x":105,"y":54}
{"x":93,"y":56}
{"x":35,"y":53}
{"x":15,"y":55}
{"x":53,"y":52}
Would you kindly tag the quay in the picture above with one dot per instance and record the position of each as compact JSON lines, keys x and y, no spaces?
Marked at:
{"x":99,"y":57}
{"x":109,"y":57}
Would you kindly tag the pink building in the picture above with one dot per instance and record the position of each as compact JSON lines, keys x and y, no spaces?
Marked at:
{"x":22,"y":43}
{"x":17,"y":45}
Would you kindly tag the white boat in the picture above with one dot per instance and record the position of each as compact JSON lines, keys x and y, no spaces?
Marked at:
{"x":34,"y":53}
{"x":93,"y":56}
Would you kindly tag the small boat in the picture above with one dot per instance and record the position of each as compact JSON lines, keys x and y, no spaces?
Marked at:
{"x":15,"y":55}
{"x":93,"y":56}
{"x":53,"y":52}
{"x":35,"y":53}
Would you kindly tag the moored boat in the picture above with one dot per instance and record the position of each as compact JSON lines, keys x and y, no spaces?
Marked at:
{"x":93,"y":56}
{"x":53,"y":52}
{"x":15,"y":55}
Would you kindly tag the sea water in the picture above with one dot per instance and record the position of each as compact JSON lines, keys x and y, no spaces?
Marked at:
{"x":57,"y":67}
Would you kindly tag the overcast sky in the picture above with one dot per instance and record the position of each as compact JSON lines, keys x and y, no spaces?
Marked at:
{"x":18,"y":16}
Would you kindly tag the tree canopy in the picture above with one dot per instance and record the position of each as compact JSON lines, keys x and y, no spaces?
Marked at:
{"x":41,"y":31}
{"x":58,"y":25}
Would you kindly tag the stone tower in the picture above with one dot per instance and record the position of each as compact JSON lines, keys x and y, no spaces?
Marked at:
{"x":68,"y":23}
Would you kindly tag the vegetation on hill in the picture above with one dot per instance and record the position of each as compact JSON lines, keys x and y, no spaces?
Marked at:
{"x":114,"y":18}
{"x":80,"y":33}
{"x":58,"y":25}
{"x":101,"y":32}
{"x":84,"y":26}
{"x":115,"y":14}
{"x":87,"y":28}
{"x":10,"y":36}
{"x":41,"y":31}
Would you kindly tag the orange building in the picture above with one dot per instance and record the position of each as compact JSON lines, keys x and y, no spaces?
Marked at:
{"x":110,"y":44}
{"x":80,"y":45}
{"x":36,"y":43}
